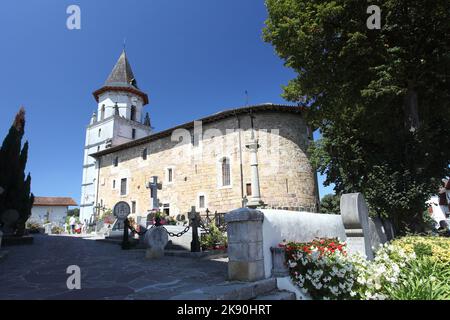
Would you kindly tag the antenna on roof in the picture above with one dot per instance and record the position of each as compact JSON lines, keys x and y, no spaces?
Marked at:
{"x":246,"y":97}
{"x":124,"y":43}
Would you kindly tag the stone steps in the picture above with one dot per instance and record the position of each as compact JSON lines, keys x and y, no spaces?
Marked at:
{"x":277,"y":295}
{"x":263,"y":289}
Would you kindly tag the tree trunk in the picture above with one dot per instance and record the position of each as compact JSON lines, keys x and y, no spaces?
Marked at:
{"x":411,"y":109}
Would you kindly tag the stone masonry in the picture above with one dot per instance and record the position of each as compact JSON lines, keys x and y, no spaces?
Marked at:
{"x":286,"y":177}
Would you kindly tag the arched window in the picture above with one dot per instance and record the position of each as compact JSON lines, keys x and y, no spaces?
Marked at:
{"x":144,"y":154}
{"x":226,"y":177}
{"x":133,"y":113}
{"x":102,"y":113}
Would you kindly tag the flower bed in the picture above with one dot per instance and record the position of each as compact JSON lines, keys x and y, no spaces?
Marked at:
{"x":407,"y":268}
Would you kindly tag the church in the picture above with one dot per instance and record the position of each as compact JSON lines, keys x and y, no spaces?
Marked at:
{"x":252,"y":156}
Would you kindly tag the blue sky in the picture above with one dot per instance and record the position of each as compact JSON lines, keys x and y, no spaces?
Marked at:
{"x":193,"y":58}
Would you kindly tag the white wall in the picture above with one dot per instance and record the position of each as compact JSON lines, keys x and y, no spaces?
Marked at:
{"x":116,"y":129}
{"x":57,"y":214}
{"x":279,"y":225}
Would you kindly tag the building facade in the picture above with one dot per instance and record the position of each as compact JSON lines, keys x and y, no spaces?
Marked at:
{"x":217,"y":163}
{"x":50,"y":209}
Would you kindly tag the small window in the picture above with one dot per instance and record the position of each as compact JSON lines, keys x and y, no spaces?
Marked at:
{"x":144,"y":154}
{"x":133,"y":133}
{"x":169,"y":175}
{"x":123,"y":187}
{"x":99,"y":133}
{"x":133,"y":113}
{"x":249,"y":189}
{"x":102,"y":113}
{"x":226,"y":178}
{"x":201,"y":202}
{"x":116,"y":161}
{"x":133,"y":206}
{"x":114,"y":184}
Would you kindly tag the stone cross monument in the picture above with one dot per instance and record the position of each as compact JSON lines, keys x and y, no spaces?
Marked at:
{"x":154,"y":186}
{"x":255,"y":199}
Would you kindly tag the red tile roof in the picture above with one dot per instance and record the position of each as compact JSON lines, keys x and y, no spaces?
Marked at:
{"x":54,"y":201}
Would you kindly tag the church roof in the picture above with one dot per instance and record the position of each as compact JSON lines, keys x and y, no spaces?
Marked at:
{"x":121,"y":74}
{"x":121,"y":78}
{"x":270,"y":107}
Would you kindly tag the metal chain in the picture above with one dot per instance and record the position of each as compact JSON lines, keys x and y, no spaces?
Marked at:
{"x":179,"y":234}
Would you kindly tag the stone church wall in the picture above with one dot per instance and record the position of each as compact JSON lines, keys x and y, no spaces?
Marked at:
{"x":286,"y":178}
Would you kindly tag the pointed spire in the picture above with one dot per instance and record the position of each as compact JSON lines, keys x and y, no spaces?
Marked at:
{"x":122,"y":73}
{"x":121,"y":79}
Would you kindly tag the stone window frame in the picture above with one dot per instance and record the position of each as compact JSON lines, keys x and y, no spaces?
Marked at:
{"x":202,"y":194}
{"x":219,"y":162}
{"x":126,"y":186}
{"x":166,"y":174}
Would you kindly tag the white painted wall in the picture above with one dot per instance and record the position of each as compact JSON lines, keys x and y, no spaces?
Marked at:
{"x":116,"y":129}
{"x":57,"y":214}
{"x":279,"y":225}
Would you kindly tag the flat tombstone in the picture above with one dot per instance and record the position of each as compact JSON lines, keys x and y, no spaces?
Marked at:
{"x":156,"y":240}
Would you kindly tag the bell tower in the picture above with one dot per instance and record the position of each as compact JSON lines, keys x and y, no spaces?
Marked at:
{"x":119,"y":119}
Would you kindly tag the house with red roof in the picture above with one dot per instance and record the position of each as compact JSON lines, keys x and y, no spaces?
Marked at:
{"x":51,"y":209}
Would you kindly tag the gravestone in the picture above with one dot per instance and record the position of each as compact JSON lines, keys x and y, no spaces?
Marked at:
{"x":156,"y":240}
{"x":9,"y":220}
{"x":48,"y":228}
{"x":361,"y":236}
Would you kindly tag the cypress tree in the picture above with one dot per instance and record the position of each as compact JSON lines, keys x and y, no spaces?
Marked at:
{"x":16,"y":187}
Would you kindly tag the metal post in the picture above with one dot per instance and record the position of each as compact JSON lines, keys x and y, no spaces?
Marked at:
{"x":195,"y":243}
{"x":125,"y":243}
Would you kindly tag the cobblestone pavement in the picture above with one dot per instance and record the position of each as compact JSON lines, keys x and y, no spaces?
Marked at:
{"x":38,"y":271}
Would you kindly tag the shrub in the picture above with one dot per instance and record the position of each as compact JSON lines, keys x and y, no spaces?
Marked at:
{"x":437,"y":248}
{"x":34,"y":227}
{"x":57,"y":230}
{"x":422,"y":279}
{"x":215,"y":239}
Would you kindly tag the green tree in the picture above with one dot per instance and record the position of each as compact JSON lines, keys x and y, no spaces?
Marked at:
{"x":16,"y":186}
{"x":330,"y":203}
{"x":73,"y":212}
{"x":379,"y":97}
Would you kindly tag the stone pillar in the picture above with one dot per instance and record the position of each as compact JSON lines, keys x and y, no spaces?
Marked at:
{"x":255,"y":198}
{"x":355,"y":217}
{"x":245,"y":245}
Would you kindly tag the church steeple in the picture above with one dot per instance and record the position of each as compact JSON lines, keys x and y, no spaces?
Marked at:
{"x":122,"y":73}
{"x":122,"y":79}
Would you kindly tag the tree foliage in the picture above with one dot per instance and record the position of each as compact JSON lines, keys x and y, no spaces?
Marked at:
{"x":16,"y":186}
{"x":330,"y":203}
{"x":379,"y":97}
